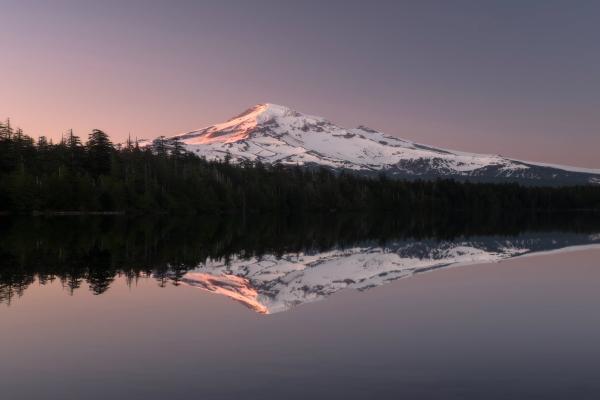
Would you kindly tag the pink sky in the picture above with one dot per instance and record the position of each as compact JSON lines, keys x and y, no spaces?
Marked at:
{"x":481,"y":80}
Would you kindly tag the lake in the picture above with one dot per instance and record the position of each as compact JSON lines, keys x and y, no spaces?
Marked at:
{"x":333,"y":307}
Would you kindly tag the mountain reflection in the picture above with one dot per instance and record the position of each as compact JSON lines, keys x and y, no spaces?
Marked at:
{"x":272,"y":284}
{"x":269,"y":264}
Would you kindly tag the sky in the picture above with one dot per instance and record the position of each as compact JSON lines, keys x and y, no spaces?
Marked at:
{"x":516,"y":78}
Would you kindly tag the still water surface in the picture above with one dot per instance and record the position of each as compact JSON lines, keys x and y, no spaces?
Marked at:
{"x":93,"y":313}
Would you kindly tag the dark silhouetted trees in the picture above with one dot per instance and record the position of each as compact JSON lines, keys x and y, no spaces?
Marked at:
{"x":162,"y":177}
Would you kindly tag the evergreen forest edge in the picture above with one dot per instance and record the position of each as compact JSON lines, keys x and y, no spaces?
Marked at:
{"x":99,"y":176}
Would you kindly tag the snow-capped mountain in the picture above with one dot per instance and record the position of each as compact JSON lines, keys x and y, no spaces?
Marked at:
{"x":276,"y":134}
{"x":271,"y":284}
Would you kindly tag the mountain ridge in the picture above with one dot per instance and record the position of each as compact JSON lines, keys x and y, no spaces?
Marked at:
{"x":275,"y":134}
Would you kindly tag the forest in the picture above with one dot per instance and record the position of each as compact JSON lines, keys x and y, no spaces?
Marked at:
{"x":39,"y":176}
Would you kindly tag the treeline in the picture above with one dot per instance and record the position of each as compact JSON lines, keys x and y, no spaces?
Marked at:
{"x":162,"y":177}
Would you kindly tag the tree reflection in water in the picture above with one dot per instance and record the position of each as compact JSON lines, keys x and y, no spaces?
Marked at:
{"x":95,"y":250}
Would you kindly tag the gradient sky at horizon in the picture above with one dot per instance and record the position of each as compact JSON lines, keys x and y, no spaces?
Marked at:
{"x":517,"y":78}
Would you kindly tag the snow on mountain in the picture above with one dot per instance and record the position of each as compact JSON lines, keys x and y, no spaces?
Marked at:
{"x":276,"y":134}
{"x":271,"y":284}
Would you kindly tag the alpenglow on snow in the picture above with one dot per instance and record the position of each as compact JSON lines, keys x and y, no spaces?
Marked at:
{"x":275,"y":283}
{"x":272,"y":134}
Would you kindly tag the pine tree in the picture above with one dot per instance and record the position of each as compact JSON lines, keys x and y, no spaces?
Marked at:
{"x":73,"y":141}
{"x":99,"y":149}
{"x":160,"y":146}
{"x":177,"y":148}
{"x":75,"y":151}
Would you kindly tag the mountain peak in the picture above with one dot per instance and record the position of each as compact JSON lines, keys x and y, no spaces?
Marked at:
{"x":273,"y":133}
{"x":253,"y":119}
{"x":261,"y":109}
{"x":277,"y":109}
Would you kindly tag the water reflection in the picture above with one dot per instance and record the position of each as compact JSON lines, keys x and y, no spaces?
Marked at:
{"x":269,"y":264}
{"x":271,"y":284}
